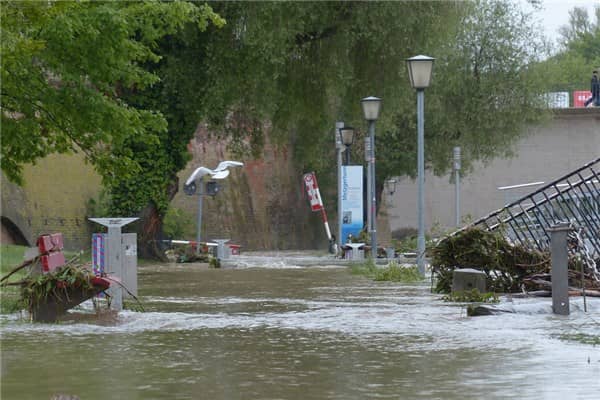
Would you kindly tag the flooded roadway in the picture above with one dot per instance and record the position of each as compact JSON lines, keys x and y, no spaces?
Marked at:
{"x":285,"y":332}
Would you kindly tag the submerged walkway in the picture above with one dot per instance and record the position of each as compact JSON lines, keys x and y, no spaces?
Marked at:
{"x":300,"y":259}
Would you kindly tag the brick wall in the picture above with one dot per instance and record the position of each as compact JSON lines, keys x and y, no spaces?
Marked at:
{"x":261,"y":205}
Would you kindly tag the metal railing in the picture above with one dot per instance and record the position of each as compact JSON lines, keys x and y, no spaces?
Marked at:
{"x":574,"y":198}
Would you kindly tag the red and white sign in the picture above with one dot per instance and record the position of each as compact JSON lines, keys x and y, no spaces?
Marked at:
{"x":314,"y":196}
{"x":312,"y":190}
{"x":580,"y":96}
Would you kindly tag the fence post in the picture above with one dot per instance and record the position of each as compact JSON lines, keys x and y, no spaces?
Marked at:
{"x":559,"y":266}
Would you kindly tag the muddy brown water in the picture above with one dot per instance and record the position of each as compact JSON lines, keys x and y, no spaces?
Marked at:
{"x":283,"y":332}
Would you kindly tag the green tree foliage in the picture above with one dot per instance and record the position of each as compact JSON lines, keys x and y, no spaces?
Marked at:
{"x":570,"y":69}
{"x":303,"y":65}
{"x":128,"y":83}
{"x":64,"y":66}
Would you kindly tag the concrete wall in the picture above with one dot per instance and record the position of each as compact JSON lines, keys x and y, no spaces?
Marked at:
{"x":547,"y":152}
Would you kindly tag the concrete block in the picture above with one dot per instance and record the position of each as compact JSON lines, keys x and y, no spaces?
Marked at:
{"x":467,"y":279}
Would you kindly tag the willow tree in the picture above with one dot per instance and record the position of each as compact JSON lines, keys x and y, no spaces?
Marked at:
{"x":295,"y":66}
{"x":300,"y":66}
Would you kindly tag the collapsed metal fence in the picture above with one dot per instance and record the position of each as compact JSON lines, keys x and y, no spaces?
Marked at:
{"x":573,"y":198}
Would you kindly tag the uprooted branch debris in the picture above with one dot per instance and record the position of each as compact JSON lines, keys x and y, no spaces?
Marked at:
{"x":509,"y":268}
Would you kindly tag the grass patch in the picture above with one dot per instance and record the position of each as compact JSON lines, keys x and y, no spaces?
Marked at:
{"x":396,"y":273}
{"x":393,"y":272}
{"x":10,"y":256}
{"x":581,"y":338}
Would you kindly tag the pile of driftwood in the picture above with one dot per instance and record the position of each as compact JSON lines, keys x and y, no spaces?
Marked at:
{"x":509,"y":268}
{"x":186,"y":255}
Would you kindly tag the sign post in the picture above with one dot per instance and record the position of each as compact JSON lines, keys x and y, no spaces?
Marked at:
{"x":314,"y":197}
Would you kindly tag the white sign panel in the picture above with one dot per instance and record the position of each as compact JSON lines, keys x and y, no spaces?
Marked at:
{"x":352,"y":201}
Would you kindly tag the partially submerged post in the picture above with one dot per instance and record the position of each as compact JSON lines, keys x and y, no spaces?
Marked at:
{"x":559,"y":267}
{"x":222,"y":250}
{"x":115,"y":256}
{"x":467,"y":279}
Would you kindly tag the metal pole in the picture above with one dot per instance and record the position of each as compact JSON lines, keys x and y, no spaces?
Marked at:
{"x":339,"y":146}
{"x":559,"y":269}
{"x":368,"y":188}
{"x":373,"y":193}
{"x":421,"y":181}
{"x":198,"y":233}
{"x":457,"y":184}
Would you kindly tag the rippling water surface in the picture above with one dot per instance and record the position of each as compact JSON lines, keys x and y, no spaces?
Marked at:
{"x":286,"y":332}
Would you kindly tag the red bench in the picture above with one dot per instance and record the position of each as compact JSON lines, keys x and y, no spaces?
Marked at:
{"x":52,"y":258}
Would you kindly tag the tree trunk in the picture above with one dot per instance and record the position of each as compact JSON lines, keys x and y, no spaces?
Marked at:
{"x":150,"y":233}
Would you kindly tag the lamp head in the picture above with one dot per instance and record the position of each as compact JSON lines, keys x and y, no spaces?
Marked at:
{"x":419,"y":71}
{"x":371,"y":106}
{"x":347,"y":135}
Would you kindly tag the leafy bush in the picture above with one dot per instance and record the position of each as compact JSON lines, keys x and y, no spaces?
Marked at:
{"x":391,"y":273}
{"x":178,"y":223}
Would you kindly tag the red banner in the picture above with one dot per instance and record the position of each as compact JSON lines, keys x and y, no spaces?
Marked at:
{"x":312,"y":190}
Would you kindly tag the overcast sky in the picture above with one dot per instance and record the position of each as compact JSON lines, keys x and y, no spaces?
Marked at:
{"x":555,"y":13}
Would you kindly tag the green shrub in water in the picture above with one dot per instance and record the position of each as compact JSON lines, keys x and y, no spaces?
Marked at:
{"x":366,"y":268}
{"x":391,"y":273}
{"x":397,"y":273}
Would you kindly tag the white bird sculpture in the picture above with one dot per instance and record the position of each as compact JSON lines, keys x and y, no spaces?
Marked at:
{"x":223,"y":165}
{"x":221,"y":172}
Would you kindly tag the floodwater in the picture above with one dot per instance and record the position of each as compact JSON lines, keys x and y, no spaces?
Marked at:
{"x":280,"y":331}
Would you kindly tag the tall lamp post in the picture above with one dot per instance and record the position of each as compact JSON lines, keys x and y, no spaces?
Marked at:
{"x":339,"y":148}
{"x":371,"y":106}
{"x":419,"y":72}
{"x":456,"y":167}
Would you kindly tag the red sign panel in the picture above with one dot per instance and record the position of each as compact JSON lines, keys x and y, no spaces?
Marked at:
{"x":312,"y":190}
{"x":580,"y":96}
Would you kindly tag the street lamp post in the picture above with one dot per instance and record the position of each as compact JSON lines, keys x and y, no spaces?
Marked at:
{"x":371,"y":106}
{"x":419,"y":72}
{"x":212,"y":188}
{"x":199,"y":227}
{"x":457,"y":184}
{"x":339,"y":148}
